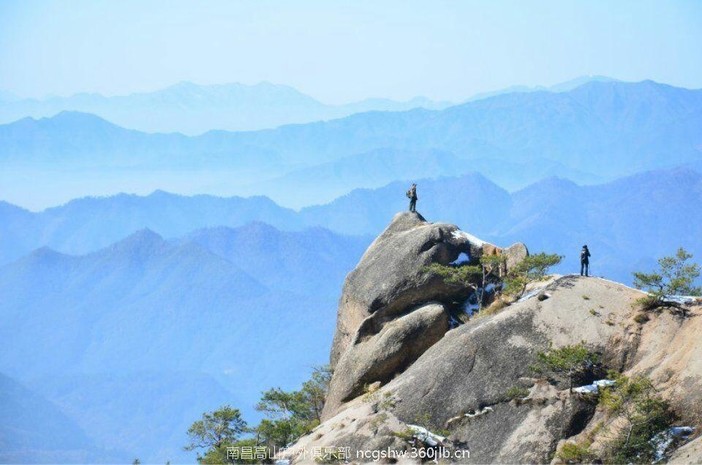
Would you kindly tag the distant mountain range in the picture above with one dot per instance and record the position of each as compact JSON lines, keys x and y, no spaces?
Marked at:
{"x":596,"y":132}
{"x":325,"y":182}
{"x":560,"y":87}
{"x":552,"y":214}
{"x":609,"y":128}
{"x":194,"y":109}
{"x":154,"y":332}
{"x":87,"y":224}
{"x":628,"y":223}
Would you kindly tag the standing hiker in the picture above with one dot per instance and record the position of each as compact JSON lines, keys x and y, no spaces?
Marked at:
{"x":584,"y":261}
{"x":412,"y":195}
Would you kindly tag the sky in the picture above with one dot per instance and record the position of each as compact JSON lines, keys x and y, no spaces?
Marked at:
{"x":341,"y":51}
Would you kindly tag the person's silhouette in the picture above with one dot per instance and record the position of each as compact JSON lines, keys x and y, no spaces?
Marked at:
{"x":584,"y":261}
{"x":412,"y":195}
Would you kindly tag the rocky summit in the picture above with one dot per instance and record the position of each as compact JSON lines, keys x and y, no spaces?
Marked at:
{"x":406,"y":372}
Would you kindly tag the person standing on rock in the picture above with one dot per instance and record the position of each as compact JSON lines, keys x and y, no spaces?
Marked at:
{"x":412,"y":195}
{"x":584,"y":261}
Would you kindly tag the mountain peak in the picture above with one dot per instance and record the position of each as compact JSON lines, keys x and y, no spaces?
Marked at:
{"x":159,"y":193}
{"x":46,"y":252}
{"x":69,"y":120}
{"x":143,"y":242}
{"x":145,"y":235}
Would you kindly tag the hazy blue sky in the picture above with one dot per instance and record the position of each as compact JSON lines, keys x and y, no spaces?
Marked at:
{"x":344,"y":50}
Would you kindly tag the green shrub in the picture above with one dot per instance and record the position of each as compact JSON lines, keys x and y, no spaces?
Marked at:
{"x":532,"y":268}
{"x":494,"y":308}
{"x":516,"y":392}
{"x":644,"y":415}
{"x":675,"y":276}
{"x":406,"y":434}
{"x":462,"y":275}
{"x":290,"y":415}
{"x":648,"y":303}
{"x":569,"y":361}
{"x":571,"y":452}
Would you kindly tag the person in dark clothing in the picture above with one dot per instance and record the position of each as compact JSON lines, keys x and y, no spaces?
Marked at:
{"x":584,"y":261}
{"x":412,"y":195}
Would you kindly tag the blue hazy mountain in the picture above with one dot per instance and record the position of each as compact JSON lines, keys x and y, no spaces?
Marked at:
{"x":87,"y":224}
{"x":74,"y":139}
{"x":599,"y":119}
{"x":611,"y":128}
{"x":560,"y":87}
{"x":553,"y":214}
{"x":323,"y":183}
{"x":289,"y":261}
{"x":598,"y":131}
{"x":628,"y":223}
{"x":35,"y":430}
{"x":194,"y":109}
{"x":145,"y":414}
{"x":471,"y":201}
{"x":134,"y":341}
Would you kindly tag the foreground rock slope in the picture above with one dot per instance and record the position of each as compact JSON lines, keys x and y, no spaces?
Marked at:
{"x":399,"y":367}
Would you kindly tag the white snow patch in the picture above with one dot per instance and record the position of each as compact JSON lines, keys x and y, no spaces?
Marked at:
{"x":531,"y":294}
{"x":480,"y":412}
{"x":681,"y":299}
{"x":426,"y":436}
{"x":594,"y":388}
{"x":458,"y":234}
{"x":664,"y":439}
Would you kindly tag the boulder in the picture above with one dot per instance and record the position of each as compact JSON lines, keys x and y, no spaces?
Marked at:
{"x":514,"y":254}
{"x":476,"y":363}
{"x":378,"y":359}
{"x":479,"y":248}
{"x":390,"y":277}
{"x":391,"y":309}
{"x":461,"y":381}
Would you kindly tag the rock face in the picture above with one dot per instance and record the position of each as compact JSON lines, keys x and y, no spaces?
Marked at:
{"x":393,"y":335}
{"x":399,"y":343}
{"x":688,"y":454}
{"x":389,"y":278}
{"x":391,"y":310}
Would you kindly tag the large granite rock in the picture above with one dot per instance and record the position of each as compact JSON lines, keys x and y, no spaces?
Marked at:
{"x":460,"y":383}
{"x":391,"y":309}
{"x":390,"y":277}
{"x":378,"y":359}
{"x":393,"y":334}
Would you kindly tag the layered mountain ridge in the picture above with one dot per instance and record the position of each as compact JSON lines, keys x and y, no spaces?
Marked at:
{"x":595,"y":132}
{"x":554,"y":215}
